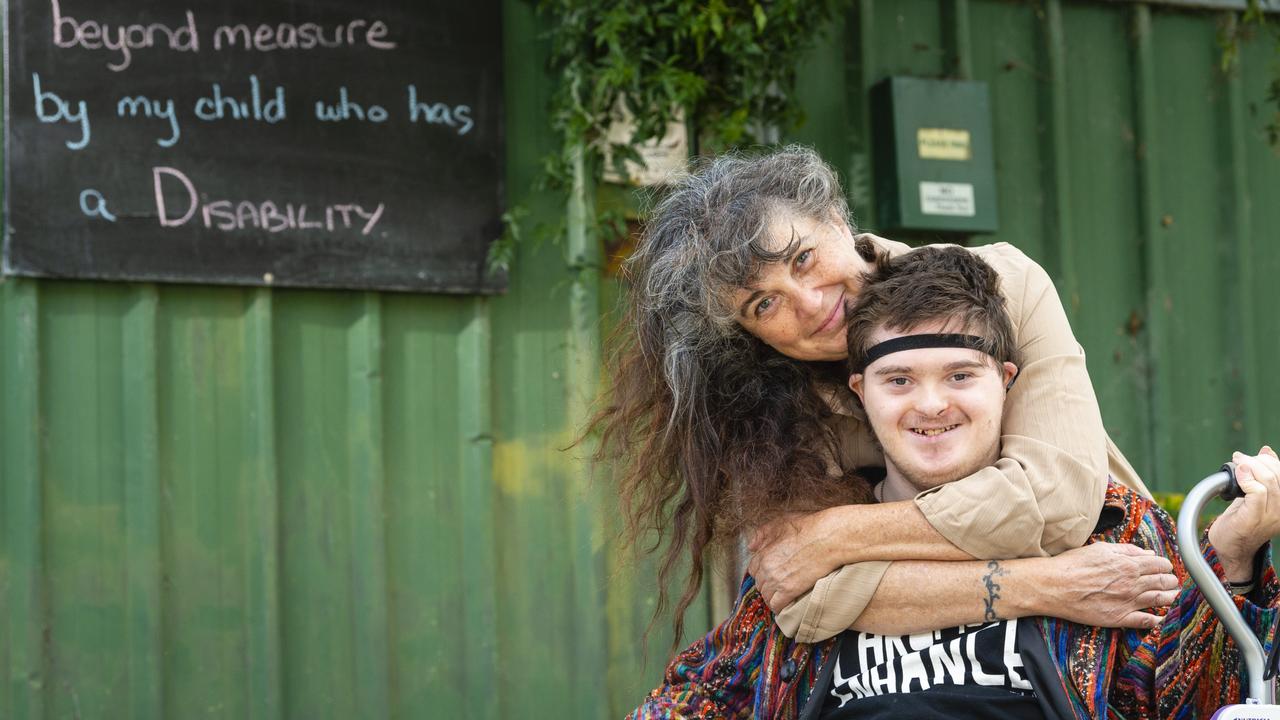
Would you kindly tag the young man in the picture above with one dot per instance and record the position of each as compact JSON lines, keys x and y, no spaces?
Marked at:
{"x":931,"y":356}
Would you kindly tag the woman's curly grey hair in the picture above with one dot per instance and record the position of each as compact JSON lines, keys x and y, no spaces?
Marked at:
{"x":711,"y":431}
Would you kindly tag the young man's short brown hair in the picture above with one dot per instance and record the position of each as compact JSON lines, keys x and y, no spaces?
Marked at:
{"x":932,"y":283}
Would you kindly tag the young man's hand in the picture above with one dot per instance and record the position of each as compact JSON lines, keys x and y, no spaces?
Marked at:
{"x":1252,"y":520}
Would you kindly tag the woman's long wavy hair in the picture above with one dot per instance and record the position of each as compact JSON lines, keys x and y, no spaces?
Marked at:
{"x":710,"y":431}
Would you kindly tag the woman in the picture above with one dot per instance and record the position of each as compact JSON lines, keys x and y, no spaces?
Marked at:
{"x":728,"y":410}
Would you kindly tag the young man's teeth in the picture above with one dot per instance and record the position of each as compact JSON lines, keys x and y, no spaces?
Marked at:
{"x":930,"y":432}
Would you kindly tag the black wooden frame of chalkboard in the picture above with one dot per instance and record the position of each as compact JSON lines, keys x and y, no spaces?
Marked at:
{"x":407,"y":197}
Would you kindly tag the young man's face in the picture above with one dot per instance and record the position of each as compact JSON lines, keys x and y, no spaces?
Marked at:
{"x":936,"y":411}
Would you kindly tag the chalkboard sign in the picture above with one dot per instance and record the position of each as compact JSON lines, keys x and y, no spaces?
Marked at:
{"x":278,"y":142}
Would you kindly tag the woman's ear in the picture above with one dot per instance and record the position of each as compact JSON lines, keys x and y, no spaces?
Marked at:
{"x":837,"y":220}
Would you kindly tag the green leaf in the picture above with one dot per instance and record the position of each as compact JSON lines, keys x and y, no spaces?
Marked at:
{"x":728,"y":64}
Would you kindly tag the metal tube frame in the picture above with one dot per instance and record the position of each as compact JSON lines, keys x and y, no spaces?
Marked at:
{"x":1260,"y":690}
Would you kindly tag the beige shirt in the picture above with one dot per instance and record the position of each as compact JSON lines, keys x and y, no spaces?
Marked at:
{"x":1041,"y":497}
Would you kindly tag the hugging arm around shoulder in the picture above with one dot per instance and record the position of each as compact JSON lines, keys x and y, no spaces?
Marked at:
{"x":1044,"y":493}
{"x":913,"y":596}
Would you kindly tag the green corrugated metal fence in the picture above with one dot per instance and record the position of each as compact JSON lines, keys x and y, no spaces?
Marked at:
{"x":250,"y":503}
{"x":1133,"y":169}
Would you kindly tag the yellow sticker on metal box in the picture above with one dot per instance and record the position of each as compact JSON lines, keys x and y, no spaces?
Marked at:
{"x":943,"y":144}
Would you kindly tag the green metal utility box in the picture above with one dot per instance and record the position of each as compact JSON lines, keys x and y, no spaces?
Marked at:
{"x":934,"y":167}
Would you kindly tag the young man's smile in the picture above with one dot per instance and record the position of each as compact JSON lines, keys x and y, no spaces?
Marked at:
{"x":933,"y":432}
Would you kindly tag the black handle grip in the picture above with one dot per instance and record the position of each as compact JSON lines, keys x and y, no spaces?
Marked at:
{"x":1232,"y":490}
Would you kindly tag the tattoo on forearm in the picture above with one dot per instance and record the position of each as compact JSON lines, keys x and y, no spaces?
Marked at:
{"x":993,"y":588}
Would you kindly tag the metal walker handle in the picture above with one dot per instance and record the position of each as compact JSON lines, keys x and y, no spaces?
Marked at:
{"x":1221,"y":483}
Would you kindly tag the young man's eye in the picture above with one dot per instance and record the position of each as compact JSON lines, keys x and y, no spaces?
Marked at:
{"x":899,"y":381}
{"x":960,"y":377}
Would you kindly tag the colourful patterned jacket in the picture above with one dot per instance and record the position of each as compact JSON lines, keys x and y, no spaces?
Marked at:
{"x":1186,"y":667}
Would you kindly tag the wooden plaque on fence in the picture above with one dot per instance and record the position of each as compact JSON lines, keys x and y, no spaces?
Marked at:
{"x":259,"y":142}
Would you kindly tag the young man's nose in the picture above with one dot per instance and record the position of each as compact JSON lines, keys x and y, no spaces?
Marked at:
{"x":931,"y":400}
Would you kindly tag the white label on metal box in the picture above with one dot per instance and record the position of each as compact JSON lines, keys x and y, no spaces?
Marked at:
{"x":947,"y":199}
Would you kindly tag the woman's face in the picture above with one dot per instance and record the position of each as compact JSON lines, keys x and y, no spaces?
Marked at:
{"x":797,"y":305}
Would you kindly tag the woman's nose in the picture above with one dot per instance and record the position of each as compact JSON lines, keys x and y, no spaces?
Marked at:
{"x":809,"y":300}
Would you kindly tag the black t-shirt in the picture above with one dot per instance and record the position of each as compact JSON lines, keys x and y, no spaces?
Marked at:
{"x":973,"y":671}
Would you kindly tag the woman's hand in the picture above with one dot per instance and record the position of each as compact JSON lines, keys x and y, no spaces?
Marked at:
{"x":789,"y":556}
{"x":1105,"y":585}
{"x":1252,"y":520}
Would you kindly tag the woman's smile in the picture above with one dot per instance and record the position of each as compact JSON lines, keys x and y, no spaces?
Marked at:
{"x":835,"y":318}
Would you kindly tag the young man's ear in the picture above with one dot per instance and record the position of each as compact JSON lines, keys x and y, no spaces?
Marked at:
{"x":1010,"y":372}
{"x":855,"y":384}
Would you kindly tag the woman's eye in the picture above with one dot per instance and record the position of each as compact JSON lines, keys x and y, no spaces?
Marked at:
{"x":803,"y":257}
{"x":763,"y":306}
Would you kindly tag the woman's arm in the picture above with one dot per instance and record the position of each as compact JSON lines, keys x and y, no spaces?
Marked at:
{"x":1100,"y":584}
{"x":790,"y":555}
{"x":1044,"y":493}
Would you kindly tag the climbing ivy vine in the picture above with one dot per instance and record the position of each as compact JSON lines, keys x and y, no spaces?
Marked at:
{"x":1252,"y":24}
{"x":726,"y":67}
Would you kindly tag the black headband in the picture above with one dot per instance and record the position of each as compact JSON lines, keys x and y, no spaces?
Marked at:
{"x":925,"y":340}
